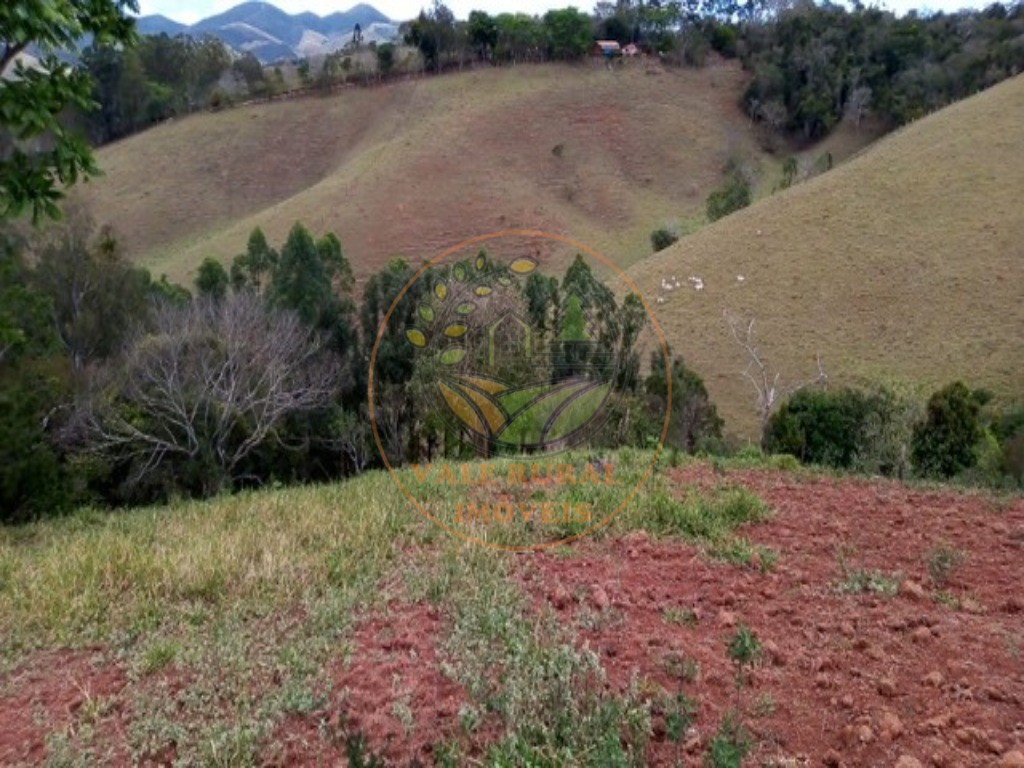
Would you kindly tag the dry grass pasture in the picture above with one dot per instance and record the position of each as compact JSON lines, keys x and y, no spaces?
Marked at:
{"x":416,"y":166}
{"x":904,"y":264}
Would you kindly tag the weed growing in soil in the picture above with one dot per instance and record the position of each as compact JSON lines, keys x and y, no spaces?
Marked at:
{"x":527,"y":673}
{"x":729,"y":745}
{"x":684,"y":617}
{"x":709,"y":519}
{"x":678,"y":713}
{"x":682,"y":667}
{"x":732,"y":741}
{"x":856,"y":581}
{"x":942,"y":561}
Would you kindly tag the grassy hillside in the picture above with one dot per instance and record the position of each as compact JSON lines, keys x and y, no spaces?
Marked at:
{"x":303,"y":626}
{"x":905,"y":263}
{"x":414,"y":167}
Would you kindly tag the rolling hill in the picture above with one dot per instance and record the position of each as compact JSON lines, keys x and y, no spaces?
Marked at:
{"x":413,"y":167}
{"x":905,"y":264}
{"x":902,"y":264}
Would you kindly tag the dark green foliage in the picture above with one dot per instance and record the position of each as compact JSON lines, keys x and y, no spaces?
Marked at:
{"x":254,"y":268}
{"x":568,"y":33}
{"x":26,"y":325}
{"x":359,"y":752}
{"x":1013,"y":457}
{"x":38,"y":154}
{"x":248,"y":67}
{"x":314,"y":279}
{"x":723,"y":38}
{"x":34,"y":383}
{"x":163,"y":290}
{"x":944,"y":443}
{"x":820,"y":62}
{"x":744,"y":647}
{"x":158,"y":78}
{"x":662,"y":238}
{"x":433,"y":33}
{"x":1007,"y":426}
{"x":96,"y":294}
{"x":819,"y":427}
{"x":32,"y":480}
{"x":482,"y":29}
{"x":541,"y":293}
{"x":731,"y":196}
{"x":385,"y":59}
{"x":212,"y":279}
{"x":729,"y":746}
{"x":694,"y":420}
{"x":587,"y":329}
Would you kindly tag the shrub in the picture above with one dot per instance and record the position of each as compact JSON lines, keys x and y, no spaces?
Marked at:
{"x":819,"y":427}
{"x":732,"y":196}
{"x":32,"y":481}
{"x":662,"y":238}
{"x":942,"y":561}
{"x":723,"y":40}
{"x":944,"y":442}
{"x":694,"y":419}
{"x":887,"y":431}
{"x":1013,"y":457}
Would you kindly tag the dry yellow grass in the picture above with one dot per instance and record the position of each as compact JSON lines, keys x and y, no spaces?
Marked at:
{"x":414,"y":167}
{"x":906,"y":263}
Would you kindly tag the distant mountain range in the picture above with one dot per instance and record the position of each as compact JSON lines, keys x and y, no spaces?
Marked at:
{"x":270,"y":34}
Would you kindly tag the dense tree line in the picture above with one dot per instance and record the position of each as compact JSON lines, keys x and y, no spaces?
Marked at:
{"x":161,"y":77}
{"x":814,"y":64}
{"x":956,"y":433}
{"x":116,"y":388}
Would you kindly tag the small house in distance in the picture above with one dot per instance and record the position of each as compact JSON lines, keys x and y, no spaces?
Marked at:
{"x":607,"y":48}
{"x":630,"y":50}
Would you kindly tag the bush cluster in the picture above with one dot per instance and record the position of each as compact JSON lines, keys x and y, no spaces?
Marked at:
{"x":957,"y":433}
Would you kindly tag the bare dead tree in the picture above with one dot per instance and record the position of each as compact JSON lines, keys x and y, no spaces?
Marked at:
{"x":766,"y":382}
{"x":212,"y":381}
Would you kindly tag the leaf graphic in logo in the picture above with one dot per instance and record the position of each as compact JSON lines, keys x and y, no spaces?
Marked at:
{"x":452,"y":356}
{"x":416,"y":337}
{"x":523,"y":266}
{"x":487,"y":407}
{"x":462,"y":408}
{"x":576,"y":412}
{"x":529,"y":425}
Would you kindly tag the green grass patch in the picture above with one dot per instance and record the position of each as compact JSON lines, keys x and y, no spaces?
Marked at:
{"x":710,"y":519}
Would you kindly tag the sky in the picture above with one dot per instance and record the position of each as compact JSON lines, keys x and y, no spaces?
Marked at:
{"x":191,"y":11}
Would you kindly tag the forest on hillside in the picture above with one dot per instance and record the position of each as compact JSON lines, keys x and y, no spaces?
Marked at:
{"x":811,"y":64}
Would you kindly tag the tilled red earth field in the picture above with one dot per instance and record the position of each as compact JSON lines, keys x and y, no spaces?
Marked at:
{"x":894,"y":671}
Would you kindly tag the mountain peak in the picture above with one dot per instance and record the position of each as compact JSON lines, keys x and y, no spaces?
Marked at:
{"x":272,"y":34}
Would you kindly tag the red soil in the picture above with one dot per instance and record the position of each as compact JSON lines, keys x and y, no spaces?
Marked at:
{"x":51,"y":692}
{"x":853,"y":680}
